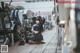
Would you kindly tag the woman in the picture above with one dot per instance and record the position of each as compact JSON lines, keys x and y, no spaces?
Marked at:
{"x":36,"y":30}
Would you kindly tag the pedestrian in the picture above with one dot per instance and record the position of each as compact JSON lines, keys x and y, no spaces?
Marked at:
{"x":57,"y":20}
{"x":41,"y":22}
{"x":36,"y":30}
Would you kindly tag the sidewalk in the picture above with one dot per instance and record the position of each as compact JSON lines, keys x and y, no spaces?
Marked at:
{"x":50,"y":37}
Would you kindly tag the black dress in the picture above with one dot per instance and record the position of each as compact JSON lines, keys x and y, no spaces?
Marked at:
{"x":38,"y":36}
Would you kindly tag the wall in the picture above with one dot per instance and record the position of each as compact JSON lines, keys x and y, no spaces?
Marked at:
{"x":70,"y":29}
{"x":63,"y":12}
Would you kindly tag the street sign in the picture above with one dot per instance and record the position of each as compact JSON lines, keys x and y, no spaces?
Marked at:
{"x":4,"y":48}
{"x":64,"y":1}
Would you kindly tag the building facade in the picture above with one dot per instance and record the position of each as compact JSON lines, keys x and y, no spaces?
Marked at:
{"x":67,"y":12}
{"x":27,"y":0}
{"x":37,"y":0}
